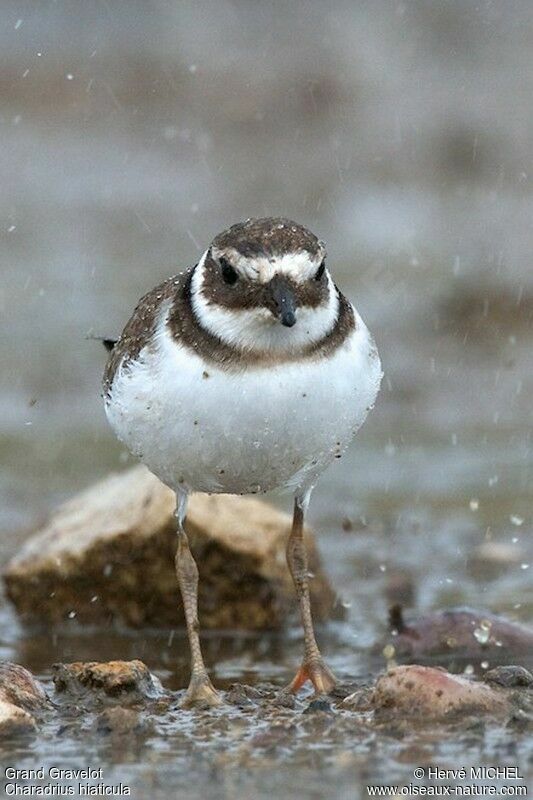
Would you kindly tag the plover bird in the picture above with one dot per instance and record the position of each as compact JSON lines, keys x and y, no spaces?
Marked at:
{"x":246,"y":373}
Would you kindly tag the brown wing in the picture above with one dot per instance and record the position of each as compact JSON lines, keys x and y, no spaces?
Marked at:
{"x":141,"y":325}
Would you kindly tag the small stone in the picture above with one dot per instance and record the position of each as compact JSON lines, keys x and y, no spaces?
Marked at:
{"x":19,"y":687}
{"x":15,"y":721}
{"x":434,"y":693}
{"x":121,"y":721}
{"x":123,"y":681}
{"x":342,"y":689}
{"x":284,"y":699}
{"x":240,"y":695}
{"x":509,"y":676}
{"x":360,"y":700}
{"x":318,"y":704}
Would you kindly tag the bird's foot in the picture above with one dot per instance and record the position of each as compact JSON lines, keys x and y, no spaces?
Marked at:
{"x":316,"y":671}
{"x":201,"y":692}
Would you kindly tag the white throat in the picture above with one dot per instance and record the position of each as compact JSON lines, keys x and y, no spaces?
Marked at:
{"x":257,"y":329}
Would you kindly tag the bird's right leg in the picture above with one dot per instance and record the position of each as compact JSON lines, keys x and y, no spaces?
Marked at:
{"x":313,"y":667}
{"x":201,"y":690}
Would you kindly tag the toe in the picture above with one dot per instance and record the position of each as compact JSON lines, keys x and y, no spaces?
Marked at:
{"x":318,"y":673}
{"x":201,"y":692}
{"x":323,"y":680}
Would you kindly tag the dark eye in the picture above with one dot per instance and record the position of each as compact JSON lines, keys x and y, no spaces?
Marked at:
{"x":229,"y":275}
{"x":320,"y":271}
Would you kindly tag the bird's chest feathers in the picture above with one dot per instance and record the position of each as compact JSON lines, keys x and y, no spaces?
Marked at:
{"x":233,"y":430}
{"x":285,"y":396}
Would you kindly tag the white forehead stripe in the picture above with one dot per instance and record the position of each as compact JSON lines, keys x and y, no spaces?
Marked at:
{"x":256,"y":329}
{"x":299,"y":265}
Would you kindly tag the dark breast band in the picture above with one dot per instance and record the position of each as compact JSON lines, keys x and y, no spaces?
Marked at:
{"x":184,"y":326}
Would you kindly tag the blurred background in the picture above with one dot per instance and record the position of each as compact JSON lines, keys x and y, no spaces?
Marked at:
{"x":399,"y":132}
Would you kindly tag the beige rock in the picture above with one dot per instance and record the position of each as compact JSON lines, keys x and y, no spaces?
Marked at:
{"x":15,"y":721}
{"x":109,"y":554}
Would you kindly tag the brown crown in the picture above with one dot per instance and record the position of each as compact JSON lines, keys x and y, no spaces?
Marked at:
{"x":270,"y":236}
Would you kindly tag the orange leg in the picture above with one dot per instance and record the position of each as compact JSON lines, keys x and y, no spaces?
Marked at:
{"x":313,"y":667}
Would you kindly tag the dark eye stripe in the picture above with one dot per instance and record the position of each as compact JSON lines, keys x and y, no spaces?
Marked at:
{"x":229,"y":275}
{"x":320,"y":271}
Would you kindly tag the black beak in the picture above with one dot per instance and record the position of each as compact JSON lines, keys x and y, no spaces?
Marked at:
{"x":282,"y":301}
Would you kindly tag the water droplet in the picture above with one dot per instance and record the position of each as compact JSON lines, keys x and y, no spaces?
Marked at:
{"x":474,"y":504}
{"x":389,"y":651}
{"x":516,"y":520}
{"x":482,"y":634}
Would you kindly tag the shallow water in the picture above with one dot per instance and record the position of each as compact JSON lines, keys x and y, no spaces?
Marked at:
{"x":413,"y":165}
{"x":250,"y":750}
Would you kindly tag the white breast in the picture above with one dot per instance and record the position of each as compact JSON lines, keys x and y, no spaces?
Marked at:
{"x":242,"y":432}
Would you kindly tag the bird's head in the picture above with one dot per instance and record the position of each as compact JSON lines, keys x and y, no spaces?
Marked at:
{"x":263,"y":284}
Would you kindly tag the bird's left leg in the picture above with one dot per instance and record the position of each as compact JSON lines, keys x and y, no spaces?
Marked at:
{"x":201,"y":690}
{"x":313,"y":667}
